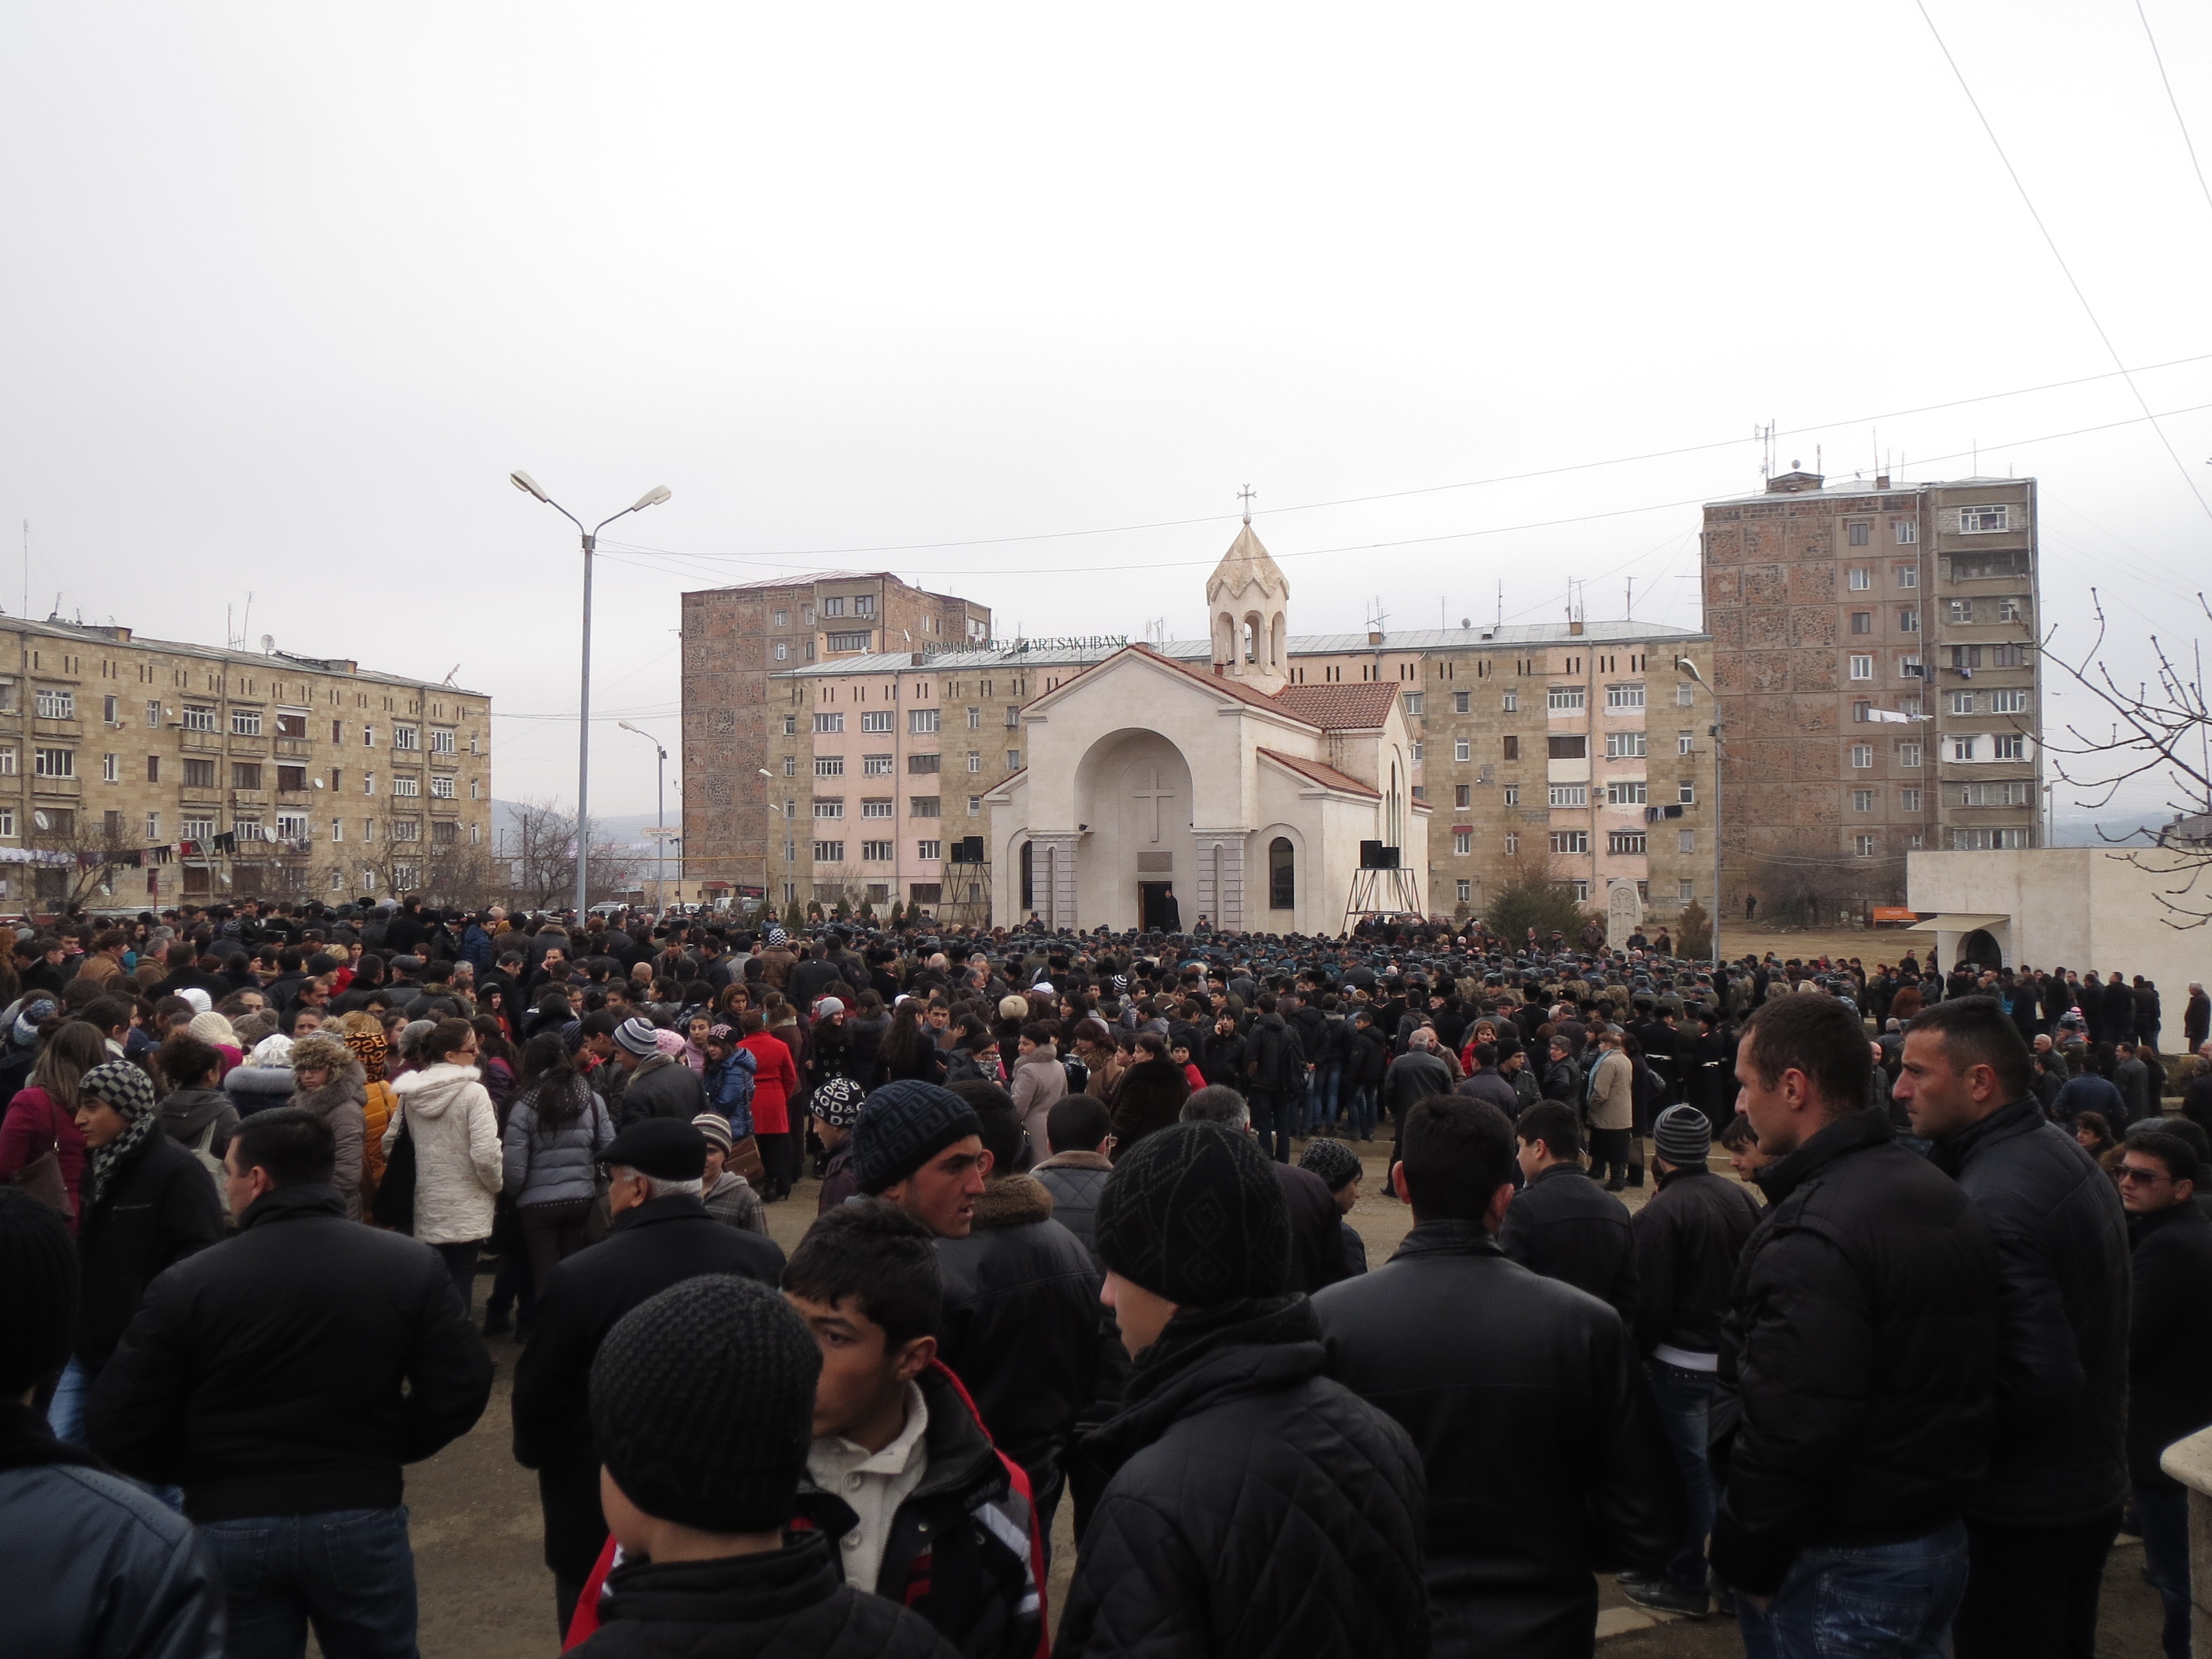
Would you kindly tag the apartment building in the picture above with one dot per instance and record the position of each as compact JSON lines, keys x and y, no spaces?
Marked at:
{"x":734,"y":638}
{"x":180,"y":771}
{"x":1572,"y":741}
{"x":1874,"y":652}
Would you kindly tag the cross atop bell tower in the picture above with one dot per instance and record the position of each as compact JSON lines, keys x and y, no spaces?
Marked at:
{"x":1248,"y":599}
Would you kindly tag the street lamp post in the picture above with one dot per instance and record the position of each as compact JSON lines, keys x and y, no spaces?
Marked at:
{"x":652,"y":497}
{"x":660,"y":816}
{"x":766,"y":887}
{"x":1684,"y":666}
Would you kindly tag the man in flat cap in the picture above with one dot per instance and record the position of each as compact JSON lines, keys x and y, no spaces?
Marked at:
{"x":660,"y":1236}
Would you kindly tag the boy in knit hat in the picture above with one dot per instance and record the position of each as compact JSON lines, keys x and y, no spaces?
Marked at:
{"x":1256,"y":1506}
{"x":703,"y":1404}
{"x":920,"y":1148}
{"x":1340,"y":1171}
{"x":835,"y":1107}
{"x":902,"y":1474}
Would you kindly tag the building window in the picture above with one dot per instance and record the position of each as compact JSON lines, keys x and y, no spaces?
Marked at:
{"x":1462,"y":702}
{"x":847,"y":642}
{"x":930,"y":851}
{"x":921,"y":806}
{"x":1626,"y":794}
{"x":1909,"y":800}
{"x":1862,"y":668}
{"x":1462,"y":794}
{"x":1906,"y":531}
{"x":1908,"y":621}
{"x":974,"y":720}
{"x":1570,"y":794}
{"x":1570,"y":840}
{"x":1981,"y":520}
{"x":1512,"y":795}
{"x":2009,"y":748}
{"x":197,"y":717}
{"x":293,"y":826}
{"x":2010,"y":611}
{"x":1416,"y":705}
{"x":1463,"y":842}
{"x":1512,"y":702}
{"x":878,"y":720}
{"x":1861,"y":754}
{"x":1863,"y":845}
{"x":782,"y":619}
{"x":1576,"y":747}
{"x":975,"y":806}
{"x":2008,"y":656}
{"x":441,"y":741}
{"x":55,"y":762}
{"x":834,"y":607}
{"x":1512,"y":843}
{"x":1962,"y":702}
{"x":1013,"y":760}
{"x":1962,"y":749}
{"x":1463,"y":749}
{"x":921,"y":765}
{"x":441,"y":785}
{"x":110,"y":769}
{"x":152,"y":826}
{"x":1466,"y":889}
{"x":875,"y":766}
{"x":878,"y":806}
{"x":2007,"y":703}
{"x":1623,"y":697}
{"x":1962,"y":610}
{"x":1563,"y":698}
{"x":1282,"y":875}
{"x":864,"y":604}
{"x":1686,"y":840}
{"x":196,"y":829}
{"x":829,"y":766}
{"x":153,"y":714}
{"x":1511,"y":747}
{"x":921,"y":722}
{"x":1627,"y":843}
{"x":1908,"y":756}
{"x":1580,"y":887}
{"x":1860,"y":533}
{"x":199,"y":774}
{"x":783,"y":651}
{"x":1862,"y":800}
{"x":57,"y":704}
{"x":829,"y":806}
{"x":1860,"y":581}
{"x":828,"y":725}
{"x":975,"y":760}
{"x":1624,"y":745}
{"x":1415,"y":751}
{"x":791,"y":766}
{"x":1862,"y":622}
{"x":1686,"y":793}
{"x":405,"y":736}
{"x":877,"y":852}
{"x":829,"y":851}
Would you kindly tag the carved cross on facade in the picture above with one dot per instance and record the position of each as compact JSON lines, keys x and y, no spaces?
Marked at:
{"x":1155,"y":794}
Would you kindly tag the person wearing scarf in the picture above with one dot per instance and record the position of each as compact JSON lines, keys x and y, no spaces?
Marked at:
{"x":364,"y":1037}
{"x":147,"y":1204}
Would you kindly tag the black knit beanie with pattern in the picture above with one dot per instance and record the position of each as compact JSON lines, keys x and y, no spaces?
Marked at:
{"x":1194,"y":1213}
{"x":38,"y":1286}
{"x":703,"y":1404}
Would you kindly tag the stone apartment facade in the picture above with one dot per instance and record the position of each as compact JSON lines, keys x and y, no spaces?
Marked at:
{"x":186,"y":772}
{"x":734,"y":638}
{"x":1567,"y":740}
{"x":1874,"y":651}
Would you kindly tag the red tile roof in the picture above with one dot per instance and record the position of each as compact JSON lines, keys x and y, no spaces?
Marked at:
{"x":1327,"y":776}
{"x":1357,"y":707}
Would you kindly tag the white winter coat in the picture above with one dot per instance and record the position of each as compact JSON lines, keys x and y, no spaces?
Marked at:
{"x":457,"y":1169}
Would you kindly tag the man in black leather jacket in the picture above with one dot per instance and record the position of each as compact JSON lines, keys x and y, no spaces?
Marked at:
{"x":90,"y":1563}
{"x":1853,"y":1405}
{"x":2041,"y":1521}
{"x":1526,"y":1500}
{"x":1256,"y":1506}
{"x":1563,"y":1224}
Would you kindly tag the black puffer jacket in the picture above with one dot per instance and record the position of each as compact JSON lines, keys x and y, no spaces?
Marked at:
{"x":2170,"y":1339}
{"x":1075,"y":1180}
{"x":1857,"y":1359}
{"x":158,"y":1207}
{"x":293,"y":1368}
{"x":1566,"y":1226}
{"x":789,"y":1605}
{"x":91,"y":1565}
{"x":2060,"y":1451}
{"x":1527,"y":1500}
{"x":661,"y":1242}
{"x":1021,"y":1324}
{"x":1255,"y":1508}
{"x":1689,"y":1240}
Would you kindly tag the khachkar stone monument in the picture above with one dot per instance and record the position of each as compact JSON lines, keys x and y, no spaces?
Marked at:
{"x":1623,"y":912}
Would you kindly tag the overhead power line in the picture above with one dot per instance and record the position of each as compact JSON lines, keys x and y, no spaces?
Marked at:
{"x":2174,"y":104}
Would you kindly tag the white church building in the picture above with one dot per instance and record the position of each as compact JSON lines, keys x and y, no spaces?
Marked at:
{"x":1158,"y":790}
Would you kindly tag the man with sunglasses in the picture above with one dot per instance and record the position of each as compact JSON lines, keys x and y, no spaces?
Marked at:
{"x":2169,"y":1353}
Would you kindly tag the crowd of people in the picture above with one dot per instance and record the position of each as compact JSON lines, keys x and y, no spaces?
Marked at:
{"x":1082,"y":1238}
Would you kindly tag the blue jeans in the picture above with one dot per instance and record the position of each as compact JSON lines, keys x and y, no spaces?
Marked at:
{"x":1271,"y":1123}
{"x":1324,"y":1085}
{"x":65,"y":1417}
{"x":2163,"y":1514}
{"x":1683,"y":1398}
{"x":1360,"y":1109}
{"x":1883,"y":1601}
{"x":348,"y":1572}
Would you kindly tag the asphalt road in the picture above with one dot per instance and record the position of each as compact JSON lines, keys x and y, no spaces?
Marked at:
{"x":486,"y":1595}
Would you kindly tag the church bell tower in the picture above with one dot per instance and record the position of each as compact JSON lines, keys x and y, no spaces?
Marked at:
{"x":1247,"y":599}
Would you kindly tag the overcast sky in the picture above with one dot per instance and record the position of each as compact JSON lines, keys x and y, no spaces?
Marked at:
{"x":286,"y":291}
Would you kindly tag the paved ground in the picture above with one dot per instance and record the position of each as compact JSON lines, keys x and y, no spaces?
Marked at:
{"x":486,"y":1595}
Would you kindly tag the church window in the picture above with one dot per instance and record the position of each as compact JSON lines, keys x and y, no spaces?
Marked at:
{"x":1282,"y":875}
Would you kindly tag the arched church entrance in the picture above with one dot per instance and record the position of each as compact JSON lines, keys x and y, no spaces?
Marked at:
{"x":1137,"y":863}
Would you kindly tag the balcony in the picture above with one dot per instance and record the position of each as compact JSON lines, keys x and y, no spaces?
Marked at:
{"x":201,"y":740}
{"x":300,"y":798}
{"x":294,"y":747}
{"x":62,"y":788}
{"x":249,"y":796}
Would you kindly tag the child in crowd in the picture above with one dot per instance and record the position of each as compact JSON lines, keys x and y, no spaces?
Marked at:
{"x":1341,"y":1172}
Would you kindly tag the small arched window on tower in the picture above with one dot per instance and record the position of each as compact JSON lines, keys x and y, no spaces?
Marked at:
{"x":1277,"y":642}
{"x":1282,"y":875}
{"x":1253,"y":639}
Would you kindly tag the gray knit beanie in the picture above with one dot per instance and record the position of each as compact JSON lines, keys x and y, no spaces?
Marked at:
{"x":1336,"y":1164}
{"x":1683,"y":1134}
{"x":703,"y":1404}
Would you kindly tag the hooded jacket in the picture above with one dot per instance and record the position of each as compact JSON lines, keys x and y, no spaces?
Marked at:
{"x":458,"y":1168}
{"x":1021,"y":1322}
{"x":1255,"y":1507}
{"x":1526,"y":1501}
{"x":338,"y":1103}
{"x":558,"y":1165}
{"x":1039,"y":1084}
{"x":1274,"y":1064}
{"x":187,"y":1113}
{"x":293,"y":1368}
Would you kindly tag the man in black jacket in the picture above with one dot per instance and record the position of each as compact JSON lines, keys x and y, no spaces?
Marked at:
{"x":1689,"y":1240}
{"x":2169,"y":1354}
{"x":282,"y":1379}
{"x":2042,"y":1519}
{"x":1256,"y":1506}
{"x":1563,"y":1224}
{"x":661,"y":1236}
{"x":1274,"y":1078}
{"x":1316,"y":1226}
{"x":1851,"y":1409}
{"x":1545,"y":1462}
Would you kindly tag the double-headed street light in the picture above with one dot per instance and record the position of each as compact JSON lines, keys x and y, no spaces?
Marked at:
{"x":661,"y":817}
{"x":652,"y":497}
{"x":1688,"y":670}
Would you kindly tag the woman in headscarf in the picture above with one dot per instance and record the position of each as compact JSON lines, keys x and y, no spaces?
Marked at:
{"x":147,"y":1203}
{"x":363,"y":1037}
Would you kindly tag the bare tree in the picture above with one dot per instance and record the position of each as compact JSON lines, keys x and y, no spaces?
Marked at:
{"x":75,"y":854}
{"x":541,"y":858}
{"x":2161,"y":733}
